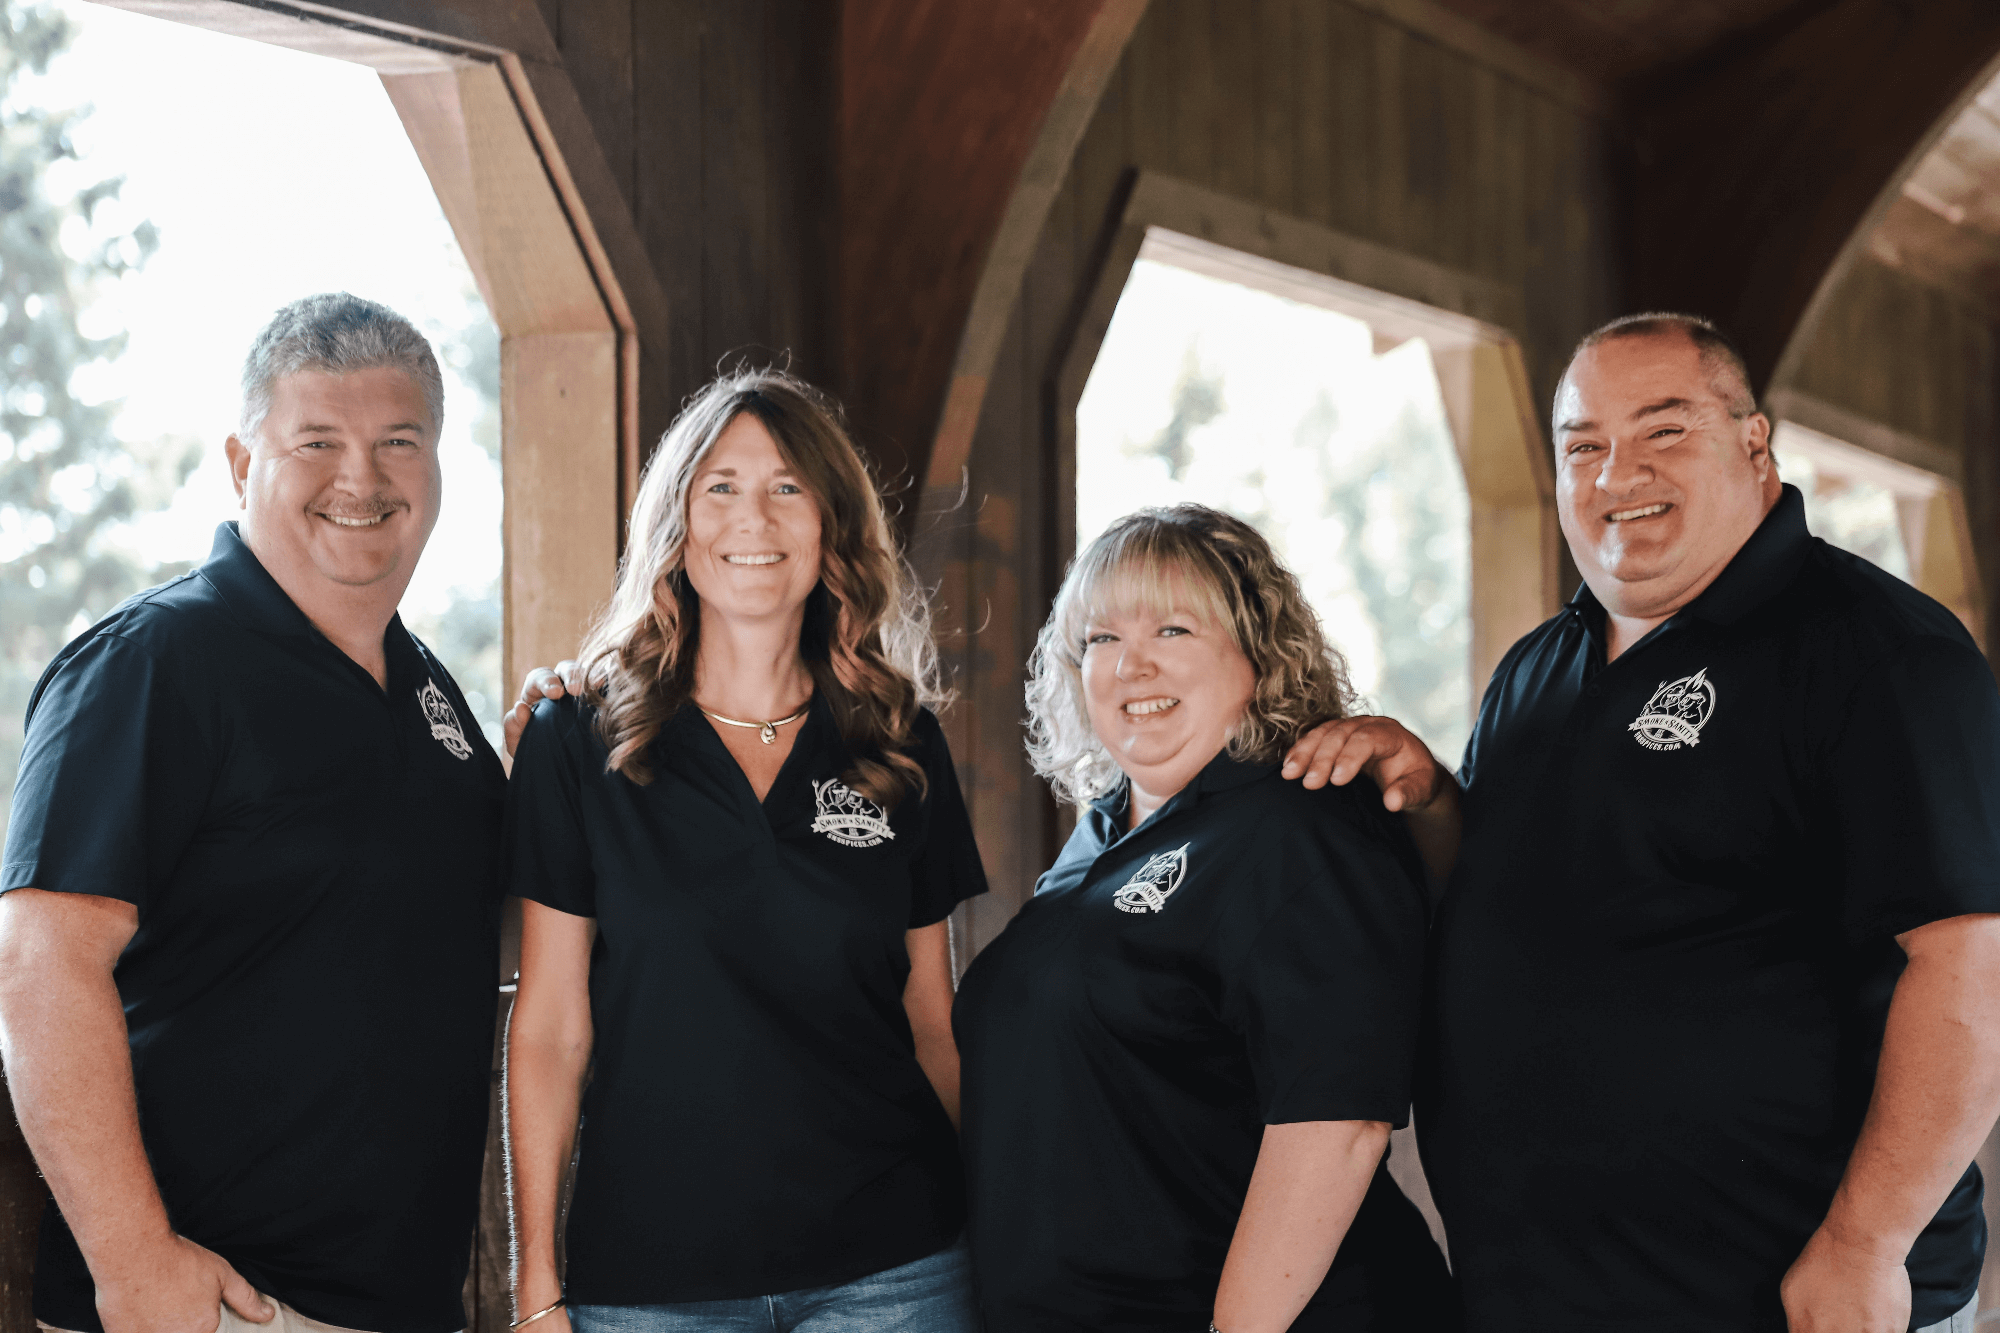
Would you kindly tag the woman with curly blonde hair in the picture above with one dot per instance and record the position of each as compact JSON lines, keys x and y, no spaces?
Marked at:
{"x":1184,"y":1056}
{"x":736,"y":844}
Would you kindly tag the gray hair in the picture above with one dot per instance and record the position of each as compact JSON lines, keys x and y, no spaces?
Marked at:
{"x":337,"y":334}
{"x":1718,"y":351}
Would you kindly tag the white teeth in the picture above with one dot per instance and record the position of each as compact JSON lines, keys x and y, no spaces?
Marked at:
{"x":354,"y":522}
{"x":770,"y":559}
{"x":1145,"y":706}
{"x":1638,"y":513}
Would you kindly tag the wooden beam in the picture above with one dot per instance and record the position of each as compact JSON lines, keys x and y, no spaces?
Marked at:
{"x":1434,"y":22}
{"x":387,"y":35}
{"x":957,"y":122}
{"x":1014,"y":242}
{"x":1758,"y":171}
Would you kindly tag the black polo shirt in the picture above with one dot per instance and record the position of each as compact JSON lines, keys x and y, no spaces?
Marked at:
{"x":310,"y":994}
{"x":756,"y":1120}
{"x":1252,"y":954}
{"x":1665,"y":960}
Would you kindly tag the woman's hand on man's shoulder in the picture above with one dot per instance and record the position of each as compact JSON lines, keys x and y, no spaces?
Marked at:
{"x":566,"y":677}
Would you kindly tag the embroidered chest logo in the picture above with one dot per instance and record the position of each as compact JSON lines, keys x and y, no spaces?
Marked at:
{"x":848,"y":817}
{"x":1676,"y":713}
{"x":1156,"y":881}
{"x":444,"y":722}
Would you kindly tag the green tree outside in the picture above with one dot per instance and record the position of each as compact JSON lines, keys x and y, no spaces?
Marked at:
{"x":68,"y":484}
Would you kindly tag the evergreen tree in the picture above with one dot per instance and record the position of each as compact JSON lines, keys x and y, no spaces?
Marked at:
{"x":465,"y":635}
{"x":68,"y":484}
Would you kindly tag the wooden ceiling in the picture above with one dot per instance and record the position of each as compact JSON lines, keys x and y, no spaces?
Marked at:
{"x":1615,"y":41}
{"x":1945,"y":228}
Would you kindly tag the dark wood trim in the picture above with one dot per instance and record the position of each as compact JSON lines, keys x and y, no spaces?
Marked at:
{"x":1757,"y":172}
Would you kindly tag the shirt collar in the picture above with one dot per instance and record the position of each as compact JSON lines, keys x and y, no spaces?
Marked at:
{"x":1220,"y":774}
{"x":234,"y":571}
{"x":1763,"y":568}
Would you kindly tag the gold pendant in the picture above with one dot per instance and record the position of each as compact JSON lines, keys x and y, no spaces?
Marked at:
{"x":768,"y":735}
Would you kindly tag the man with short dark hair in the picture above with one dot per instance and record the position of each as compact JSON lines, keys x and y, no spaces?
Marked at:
{"x":1715,"y":1015}
{"x":249,"y":912}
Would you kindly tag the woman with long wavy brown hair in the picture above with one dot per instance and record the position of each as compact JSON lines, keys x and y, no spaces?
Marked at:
{"x":736,"y":852}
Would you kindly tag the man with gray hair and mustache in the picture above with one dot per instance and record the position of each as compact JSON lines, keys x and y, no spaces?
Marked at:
{"x":248,"y":913}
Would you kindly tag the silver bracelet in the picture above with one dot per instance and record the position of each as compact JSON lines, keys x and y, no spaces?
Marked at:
{"x":523,"y":1323}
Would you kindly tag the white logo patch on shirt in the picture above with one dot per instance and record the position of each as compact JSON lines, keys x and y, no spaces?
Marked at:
{"x":848,"y":817}
{"x":1156,"y":881}
{"x":1676,"y":713}
{"x":444,"y":721}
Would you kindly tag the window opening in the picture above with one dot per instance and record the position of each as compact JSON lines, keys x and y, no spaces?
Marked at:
{"x":1329,"y":437}
{"x":180,"y":186}
{"x":1853,"y":499}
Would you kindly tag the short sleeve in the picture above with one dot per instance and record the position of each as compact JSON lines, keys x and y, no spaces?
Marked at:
{"x":947,"y":870}
{"x":545,"y":855}
{"x":114,"y":775}
{"x":1912,"y":781}
{"x":1327,"y":997}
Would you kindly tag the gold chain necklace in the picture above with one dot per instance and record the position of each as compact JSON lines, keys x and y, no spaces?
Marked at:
{"x":767,"y":732}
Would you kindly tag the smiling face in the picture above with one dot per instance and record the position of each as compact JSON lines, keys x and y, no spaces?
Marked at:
{"x":1657,"y":485}
{"x":1164,"y":690}
{"x":753,"y":530}
{"x":340,"y":486}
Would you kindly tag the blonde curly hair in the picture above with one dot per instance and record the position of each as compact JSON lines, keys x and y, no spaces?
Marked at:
{"x":1192,"y":559}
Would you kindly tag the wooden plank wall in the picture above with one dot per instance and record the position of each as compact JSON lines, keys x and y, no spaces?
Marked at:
{"x":1923,"y":362}
{"x":717,"y":118}
{"x":1317,"y":108}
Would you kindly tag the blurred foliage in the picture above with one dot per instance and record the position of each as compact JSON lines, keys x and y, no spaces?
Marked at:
{"x":1197,"y":401}
{"x":1403,"y":509}
{"x":466,"y":634}
{"x":68,"y":484}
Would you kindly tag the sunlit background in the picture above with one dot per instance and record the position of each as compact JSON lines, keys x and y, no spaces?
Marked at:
{"x":198,"y":182}
{"x":1282,"y":414}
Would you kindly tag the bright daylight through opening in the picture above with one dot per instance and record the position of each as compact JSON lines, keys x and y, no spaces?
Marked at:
{"x":177,"y":213}
{"x":1284,"y":414}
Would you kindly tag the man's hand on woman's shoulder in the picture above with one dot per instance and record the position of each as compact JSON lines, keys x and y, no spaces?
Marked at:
{"x":1401,"y":765}
{"x":1411,"y":779}
{"x":540,"y":683}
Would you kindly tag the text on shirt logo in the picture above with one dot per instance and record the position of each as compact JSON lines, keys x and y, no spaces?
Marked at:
{"x":848,"y":817}
{"x":1676,"y":713}
{"x":444,"y":721}
{"x":1156,"y":881}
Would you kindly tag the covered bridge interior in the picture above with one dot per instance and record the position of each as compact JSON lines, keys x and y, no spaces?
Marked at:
{"x":930,"y":208}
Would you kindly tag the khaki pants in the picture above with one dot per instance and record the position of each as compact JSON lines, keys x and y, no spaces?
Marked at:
{"x":287,"y":1320}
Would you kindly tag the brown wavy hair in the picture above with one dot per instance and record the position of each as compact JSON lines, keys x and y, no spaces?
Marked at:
{"x":1193,"y":559}
{"x":866,"y":638}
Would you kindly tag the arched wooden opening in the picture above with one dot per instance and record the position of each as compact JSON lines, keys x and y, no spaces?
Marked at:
{"x":572,"y":295}
{"x":1468,"y":321}
{"x":501,"y":133}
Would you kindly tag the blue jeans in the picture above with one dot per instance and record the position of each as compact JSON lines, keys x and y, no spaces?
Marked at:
{"x":932,"y":1295}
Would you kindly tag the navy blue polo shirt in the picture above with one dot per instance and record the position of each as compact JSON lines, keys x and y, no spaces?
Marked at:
{"x":1251,"y":954}
{"x":756,"y":1119}
{"x":310,"y":994}
{"x":1664,"y":962}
